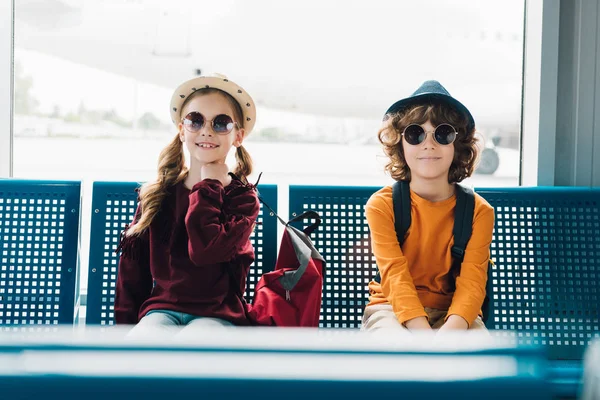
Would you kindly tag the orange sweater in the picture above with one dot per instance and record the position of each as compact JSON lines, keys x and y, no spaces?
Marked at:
{"x":418,"y":274}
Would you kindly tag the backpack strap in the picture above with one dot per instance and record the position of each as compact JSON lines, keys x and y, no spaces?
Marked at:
{"x":463,"y":220}
{"x":402,"y":206}
{"x":463,"y":227}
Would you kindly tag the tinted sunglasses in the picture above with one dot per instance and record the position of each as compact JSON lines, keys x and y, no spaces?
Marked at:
{"x":443,"y":134}
{"x":222,"y":124}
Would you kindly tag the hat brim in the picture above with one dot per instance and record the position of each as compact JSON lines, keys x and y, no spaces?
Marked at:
{"x":205,"y":82}
{"x":425,"y":98}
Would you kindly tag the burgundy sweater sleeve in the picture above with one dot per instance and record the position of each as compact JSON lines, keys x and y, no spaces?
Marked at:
{"x":134,"y":280}
{"x":219,"y":221}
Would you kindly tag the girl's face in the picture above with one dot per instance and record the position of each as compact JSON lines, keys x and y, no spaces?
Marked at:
{"x":428,"y":160}
{"x":207,"y":146}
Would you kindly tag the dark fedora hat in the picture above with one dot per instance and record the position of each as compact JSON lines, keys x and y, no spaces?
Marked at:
{"x":431,"y":92}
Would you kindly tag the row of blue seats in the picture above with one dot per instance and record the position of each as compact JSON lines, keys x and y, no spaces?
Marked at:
{"x":546,"y":247}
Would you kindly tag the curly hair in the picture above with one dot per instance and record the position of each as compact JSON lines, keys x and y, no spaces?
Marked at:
{"x":172,"y":169}
{"x":466,"y":149}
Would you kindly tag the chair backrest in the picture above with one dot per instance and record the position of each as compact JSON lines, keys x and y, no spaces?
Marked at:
{"x":39,"y":236}
{"x":546,"y":281}
{"x":113,"y":206}
{"x":343,"y":240}
{"x":546,"y":247}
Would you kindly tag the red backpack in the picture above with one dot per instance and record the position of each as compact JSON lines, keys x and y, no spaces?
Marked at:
{"x":291,"y":294}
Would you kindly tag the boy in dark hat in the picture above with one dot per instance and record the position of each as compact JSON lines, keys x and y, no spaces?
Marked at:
{"x":429,"y":138}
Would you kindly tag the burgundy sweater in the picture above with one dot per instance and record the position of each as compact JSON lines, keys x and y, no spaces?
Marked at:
{"x":194,"y":257}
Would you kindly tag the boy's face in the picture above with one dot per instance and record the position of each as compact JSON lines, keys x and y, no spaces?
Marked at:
{"x":428,"y":160}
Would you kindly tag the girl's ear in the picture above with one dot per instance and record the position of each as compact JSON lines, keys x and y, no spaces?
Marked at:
{"x":181,"y":133}
{"x":239,"y":137}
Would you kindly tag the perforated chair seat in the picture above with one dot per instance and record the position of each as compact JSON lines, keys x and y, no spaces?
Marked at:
{"x":546,"y":248}
{"x":39,"y":233}
{"x":113,"y":206}
{"x":546,"y":281}
{"x":343,"y":240}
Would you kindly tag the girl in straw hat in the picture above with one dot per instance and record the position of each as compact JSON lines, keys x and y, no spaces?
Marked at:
{"x":186,"y":255}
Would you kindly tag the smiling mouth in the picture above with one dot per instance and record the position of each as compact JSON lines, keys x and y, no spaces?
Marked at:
{"x":430,"y":158}
{"x":207,"y":145}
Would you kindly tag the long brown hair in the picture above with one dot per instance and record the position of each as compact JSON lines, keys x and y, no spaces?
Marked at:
{"x":466,"y":149}
{"x":172,"y":168}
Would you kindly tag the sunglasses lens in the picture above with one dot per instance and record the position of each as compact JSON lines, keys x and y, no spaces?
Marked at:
{"x":445,"y":134}
{"x":222,"y":124}
{"x":194,"y":121}
{"x":414,"y":134}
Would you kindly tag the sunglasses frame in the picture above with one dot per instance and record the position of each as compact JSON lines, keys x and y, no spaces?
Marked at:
{"x":432,"y":134}
{"x":212,"y":123}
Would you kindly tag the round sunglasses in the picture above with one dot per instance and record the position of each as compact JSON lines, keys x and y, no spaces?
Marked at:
{"x":443,"y":134}
{"x":222,"y":124}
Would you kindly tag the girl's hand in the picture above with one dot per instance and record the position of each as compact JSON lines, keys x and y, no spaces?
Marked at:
{"x":218,"y":171}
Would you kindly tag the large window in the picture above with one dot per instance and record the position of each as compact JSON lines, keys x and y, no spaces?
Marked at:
{"x":93,"y":80}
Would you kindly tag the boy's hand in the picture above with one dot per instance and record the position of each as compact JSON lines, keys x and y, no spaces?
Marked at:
{"x":454,"y":323}
{"x":418,"y":324}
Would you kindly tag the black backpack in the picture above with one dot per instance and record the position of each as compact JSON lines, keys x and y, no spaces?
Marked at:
{"x":463,"y":224}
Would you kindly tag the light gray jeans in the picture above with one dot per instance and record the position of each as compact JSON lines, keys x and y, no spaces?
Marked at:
{"x":164,"y":322}
{"x":382,"y":316}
